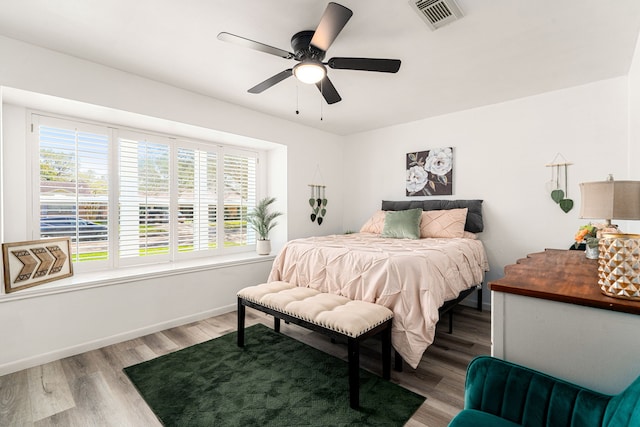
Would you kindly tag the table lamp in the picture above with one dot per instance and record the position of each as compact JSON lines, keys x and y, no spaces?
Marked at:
{"x":619,"y":253}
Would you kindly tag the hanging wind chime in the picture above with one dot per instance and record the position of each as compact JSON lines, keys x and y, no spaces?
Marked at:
{"x":559,"y":174}
{"x":318,"y":199}
{"x":318,"y":202}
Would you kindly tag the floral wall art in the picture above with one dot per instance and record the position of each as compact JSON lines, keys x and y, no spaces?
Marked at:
{"x":430,"y":173}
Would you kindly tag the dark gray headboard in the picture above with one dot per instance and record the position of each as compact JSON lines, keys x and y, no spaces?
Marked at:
{"x":474,"y":222}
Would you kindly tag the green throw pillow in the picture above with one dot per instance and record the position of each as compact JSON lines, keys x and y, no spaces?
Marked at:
{"x":402,"y":224}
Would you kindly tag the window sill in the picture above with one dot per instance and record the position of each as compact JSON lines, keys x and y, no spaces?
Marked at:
{"x":130,"y":274}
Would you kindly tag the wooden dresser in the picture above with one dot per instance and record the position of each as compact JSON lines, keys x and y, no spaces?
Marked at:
{"x":548,"y":314}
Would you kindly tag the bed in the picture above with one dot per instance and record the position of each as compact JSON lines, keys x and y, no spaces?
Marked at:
{"x":414,"y":277}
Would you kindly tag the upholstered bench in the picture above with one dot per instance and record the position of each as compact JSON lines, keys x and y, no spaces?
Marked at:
{"x":333,"y":315}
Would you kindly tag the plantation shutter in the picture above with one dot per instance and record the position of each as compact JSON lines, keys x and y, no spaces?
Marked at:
{"x":74,"y":185}
{"x":240,"y":170}
{"x":197,"y":199}
{"x":144,"y":197}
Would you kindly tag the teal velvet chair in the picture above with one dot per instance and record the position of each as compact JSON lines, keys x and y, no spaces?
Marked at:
{"x":503,"y":394}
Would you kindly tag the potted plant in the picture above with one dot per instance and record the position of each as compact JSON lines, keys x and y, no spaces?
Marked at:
{"x":263,"y":221}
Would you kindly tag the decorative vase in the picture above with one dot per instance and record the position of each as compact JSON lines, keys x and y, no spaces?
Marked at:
{"x":263,"y":247}
{"x":591,"y":252}
{"x":619,"y":266}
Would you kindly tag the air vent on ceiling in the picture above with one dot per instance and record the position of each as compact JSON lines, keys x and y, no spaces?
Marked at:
{"x":437,"y":13}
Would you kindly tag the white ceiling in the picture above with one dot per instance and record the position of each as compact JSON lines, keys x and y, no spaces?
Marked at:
{"x":500,"y":50}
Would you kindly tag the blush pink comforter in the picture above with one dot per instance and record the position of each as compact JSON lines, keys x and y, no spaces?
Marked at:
{"x":413,"y":278}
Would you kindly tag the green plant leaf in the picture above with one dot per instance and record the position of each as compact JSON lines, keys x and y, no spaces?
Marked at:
{"x":323,"y":212}
{"x":315,"y":211}
{"x":261,"y":220}
{"x":312,"y":202}
{"x":566,"y":205}
{"x":324,"y":202}
{"x":557,"y":195}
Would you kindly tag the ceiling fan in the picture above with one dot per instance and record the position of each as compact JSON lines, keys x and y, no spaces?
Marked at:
{"x":310,"y":48}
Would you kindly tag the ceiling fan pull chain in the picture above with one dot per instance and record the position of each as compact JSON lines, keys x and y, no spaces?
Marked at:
{"x":297,"y":102}
{"x":321,"y":81}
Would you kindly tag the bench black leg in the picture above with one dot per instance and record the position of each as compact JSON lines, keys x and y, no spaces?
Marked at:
{"x":386,"y":353}
{"x":480,"y":299}
{"x":398,"y":362}
{"x":354,"y":374}
{"x":451,"y":320}
{"x":241,"y":312}
{"x":276,"y":324}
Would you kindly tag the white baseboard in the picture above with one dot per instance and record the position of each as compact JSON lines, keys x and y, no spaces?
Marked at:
{"x":41,"y":359}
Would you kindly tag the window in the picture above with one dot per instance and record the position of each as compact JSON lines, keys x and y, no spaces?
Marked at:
{"x":144,"y":197}
{"x":130,"y":197}
{"x":74,"y":186}
{"x":240,"y":195}
{"x":197,"y":199}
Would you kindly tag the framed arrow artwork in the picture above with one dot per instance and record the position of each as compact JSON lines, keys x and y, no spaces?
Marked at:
{"x":32,"y":263}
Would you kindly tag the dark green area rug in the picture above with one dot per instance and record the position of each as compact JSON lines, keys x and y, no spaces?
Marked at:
{"x":274,"y":381}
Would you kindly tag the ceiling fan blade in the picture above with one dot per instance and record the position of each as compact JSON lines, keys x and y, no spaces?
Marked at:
{"x":328,"y":91}
{"x":232,"y":38}
{"x":365,"y":64}
{"x":271,"y":81}
{"x":333,"y":20}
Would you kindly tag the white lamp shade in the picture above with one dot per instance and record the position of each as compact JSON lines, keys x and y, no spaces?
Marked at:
{"x":610,"y":200}
{"x":310,"y":72}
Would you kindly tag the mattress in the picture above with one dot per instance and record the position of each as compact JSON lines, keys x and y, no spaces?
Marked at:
{"x":413,"y":278}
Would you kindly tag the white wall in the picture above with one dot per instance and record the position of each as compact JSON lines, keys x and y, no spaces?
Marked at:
{"x":500,"y":152}
{"x":38,"y":329}
{"x":634,"y":125}
{"x":634,"y":111}
{"x":43,"y":328}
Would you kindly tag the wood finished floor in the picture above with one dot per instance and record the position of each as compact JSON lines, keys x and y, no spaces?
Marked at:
{"x":90,"y":389}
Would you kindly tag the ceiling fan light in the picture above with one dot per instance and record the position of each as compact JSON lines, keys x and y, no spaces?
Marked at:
{"x":310,"y":72}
